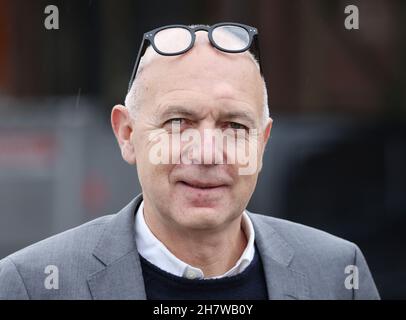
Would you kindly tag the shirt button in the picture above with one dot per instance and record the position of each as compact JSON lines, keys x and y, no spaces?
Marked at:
{"x":190,"y":274}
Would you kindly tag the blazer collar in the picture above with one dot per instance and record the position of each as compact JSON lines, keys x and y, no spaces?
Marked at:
{"x":282,"y":281}
{"x":120,"y":276}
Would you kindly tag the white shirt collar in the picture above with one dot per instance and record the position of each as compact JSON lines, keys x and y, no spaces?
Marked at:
{"x":153,"y":250}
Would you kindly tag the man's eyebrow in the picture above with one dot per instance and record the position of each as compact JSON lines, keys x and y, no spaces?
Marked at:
{"x":180,"y":111}
{"x":243,"y":115}
{"x":176,"y":111}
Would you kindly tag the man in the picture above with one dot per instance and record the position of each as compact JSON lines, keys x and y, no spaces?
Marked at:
{"x":189,"y":235}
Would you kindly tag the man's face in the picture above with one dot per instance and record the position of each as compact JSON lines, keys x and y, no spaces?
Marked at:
{"x":202,"y":89}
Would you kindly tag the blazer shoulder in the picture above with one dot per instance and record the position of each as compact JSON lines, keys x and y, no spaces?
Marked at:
{"x":69,"y":254}
{"x":322,"y":257}
{"x":306,"y":238}
{"x":73,"y":243}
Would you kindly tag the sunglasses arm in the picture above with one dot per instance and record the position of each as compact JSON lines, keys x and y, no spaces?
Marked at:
{"x":257,"y":52}
{"x":143,"y":48}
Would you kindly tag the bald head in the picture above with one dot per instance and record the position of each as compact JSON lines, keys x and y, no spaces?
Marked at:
{"x":202,"y":68}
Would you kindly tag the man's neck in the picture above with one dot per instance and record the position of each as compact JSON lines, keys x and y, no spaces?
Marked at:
{"x":212,"y":251}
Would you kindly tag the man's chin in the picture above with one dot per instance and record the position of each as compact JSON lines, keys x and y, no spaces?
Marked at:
{"x":203,"y":217}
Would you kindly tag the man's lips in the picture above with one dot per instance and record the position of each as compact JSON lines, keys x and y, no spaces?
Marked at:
{"x":197,"y":182}
{"x":203,"y":192}
{"x":204,"y":184}
{"x":201,"y":184}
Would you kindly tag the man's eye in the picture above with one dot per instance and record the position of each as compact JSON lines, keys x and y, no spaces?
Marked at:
{"x":236,"y":126}
{"x":175,"y":121}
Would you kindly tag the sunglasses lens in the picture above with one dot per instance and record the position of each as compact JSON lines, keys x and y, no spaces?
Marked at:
{"x":232,"y":38}
{"x":172,"y":40}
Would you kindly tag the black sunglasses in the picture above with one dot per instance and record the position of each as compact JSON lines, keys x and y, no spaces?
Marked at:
{"x":177,"y":39}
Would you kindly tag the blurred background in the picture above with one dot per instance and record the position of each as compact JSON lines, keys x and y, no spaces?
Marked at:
{"x":337,"y":154}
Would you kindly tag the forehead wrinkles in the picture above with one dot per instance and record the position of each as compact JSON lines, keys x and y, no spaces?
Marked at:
{"x":205,"y":94}
{"x":202,"y":106}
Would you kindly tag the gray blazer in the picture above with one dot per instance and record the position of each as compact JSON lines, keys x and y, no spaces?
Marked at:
{"x":99,"y":260}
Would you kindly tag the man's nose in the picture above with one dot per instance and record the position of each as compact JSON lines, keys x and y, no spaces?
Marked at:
{"x":207,"y":146}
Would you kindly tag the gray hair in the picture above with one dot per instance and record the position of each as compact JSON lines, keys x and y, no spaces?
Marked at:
{"x":132,"y":97}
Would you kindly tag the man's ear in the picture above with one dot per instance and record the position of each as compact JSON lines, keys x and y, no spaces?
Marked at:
{"x":268,"y":128}
{"x":123,"y":129}
{"x":267,"y":134}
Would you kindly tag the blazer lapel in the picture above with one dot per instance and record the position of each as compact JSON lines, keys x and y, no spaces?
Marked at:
{"x":120,"y":276}
{"x":282,"y":281}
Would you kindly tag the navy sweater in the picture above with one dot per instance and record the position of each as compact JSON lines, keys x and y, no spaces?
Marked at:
{"x":161,"y":285}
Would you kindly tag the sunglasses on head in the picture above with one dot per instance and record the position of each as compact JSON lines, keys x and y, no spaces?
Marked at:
{"x":177,"y":39}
